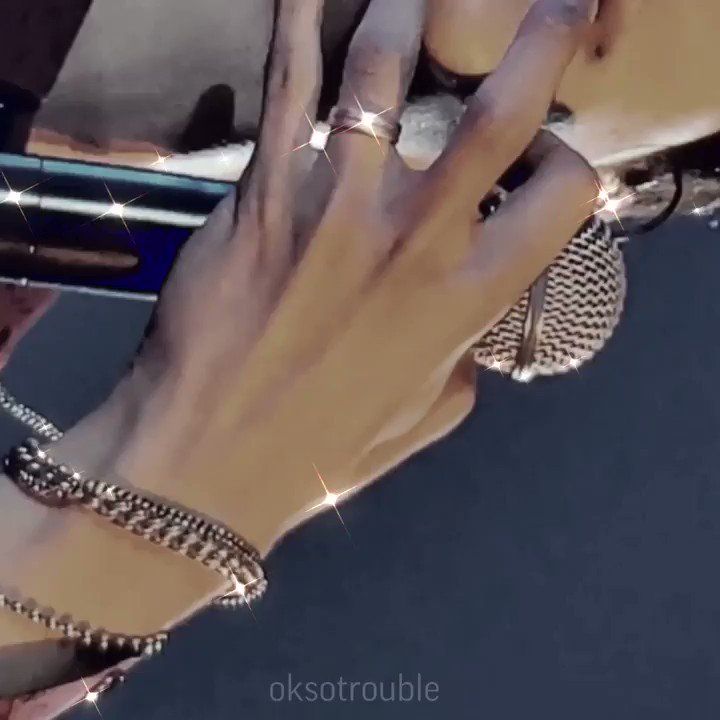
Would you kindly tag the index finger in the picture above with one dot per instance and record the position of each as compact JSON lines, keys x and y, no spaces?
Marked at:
{"x":505,"y":113}
{"x":293,"y":79}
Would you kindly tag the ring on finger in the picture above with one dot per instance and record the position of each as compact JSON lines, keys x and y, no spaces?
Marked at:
{"x":368,"y":123}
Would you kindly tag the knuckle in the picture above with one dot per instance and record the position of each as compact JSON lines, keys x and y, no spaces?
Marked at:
{"x":488,"y":115}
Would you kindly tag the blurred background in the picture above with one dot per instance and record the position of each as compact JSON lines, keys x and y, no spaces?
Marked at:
{"x":553,"y":558}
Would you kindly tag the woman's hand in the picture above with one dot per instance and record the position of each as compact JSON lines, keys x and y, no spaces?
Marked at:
{"x":320,"y":321}
{"x":318,"y":325}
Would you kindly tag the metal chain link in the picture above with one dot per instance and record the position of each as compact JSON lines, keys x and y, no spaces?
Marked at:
{"x":44,"y":428}
{"x":38,"y":423}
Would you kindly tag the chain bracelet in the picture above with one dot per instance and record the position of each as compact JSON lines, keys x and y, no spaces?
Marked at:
{"x":213,"y":545}
{"x":46,"y":429}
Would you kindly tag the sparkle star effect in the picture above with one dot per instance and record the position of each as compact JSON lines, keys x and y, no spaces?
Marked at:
{"x":698,"y":211}
{"x":573,"y":362}
{"x":117,"y":209}
{"x":239,"y":590}
{"x":331,"y":499}
{"x":611,"y":204}
{"x":14,"y":197}
{"x":367,"y":121}
{"x":46,"y":427}
{"x":498,"y":365}
{"x":90,"y":697}
{"x":319,"y":136}
{"x":161,"y":160}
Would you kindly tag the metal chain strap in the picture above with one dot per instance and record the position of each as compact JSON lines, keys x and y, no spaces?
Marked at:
{"x":44,"y":428}
{"x":213,"y":545}
{"x":37,"y":423}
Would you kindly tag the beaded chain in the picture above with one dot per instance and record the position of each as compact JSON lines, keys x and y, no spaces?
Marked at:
{"x":32,"y":419}
{"x":213,"y":545}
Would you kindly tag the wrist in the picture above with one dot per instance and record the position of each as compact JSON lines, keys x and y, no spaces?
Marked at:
{"x":75,"y":562}
{"x":80,"y":565}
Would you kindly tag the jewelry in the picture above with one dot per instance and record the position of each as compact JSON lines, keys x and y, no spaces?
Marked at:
{"x":32,"y":419}
{"x":368,"y":123}
{"x":45,"y":428}
{"x":319,"y":137}
{"x":213,"y":545}
{"x":567,"y":316}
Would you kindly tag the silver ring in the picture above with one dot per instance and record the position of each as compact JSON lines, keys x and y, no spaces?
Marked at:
{"x":372,"y":124}
{"x":318,"y":139}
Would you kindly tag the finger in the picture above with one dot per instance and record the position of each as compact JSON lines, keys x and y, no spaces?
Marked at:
{"x":509,"y":107}
{"x":379,"y":67}
{"x":513,"y":247}
{"x":282,"y":154}
{"x":450,"y":408}
{"x":292,"y":84}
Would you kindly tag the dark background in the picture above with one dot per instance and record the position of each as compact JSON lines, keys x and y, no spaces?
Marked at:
{"x":556,"y":557}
